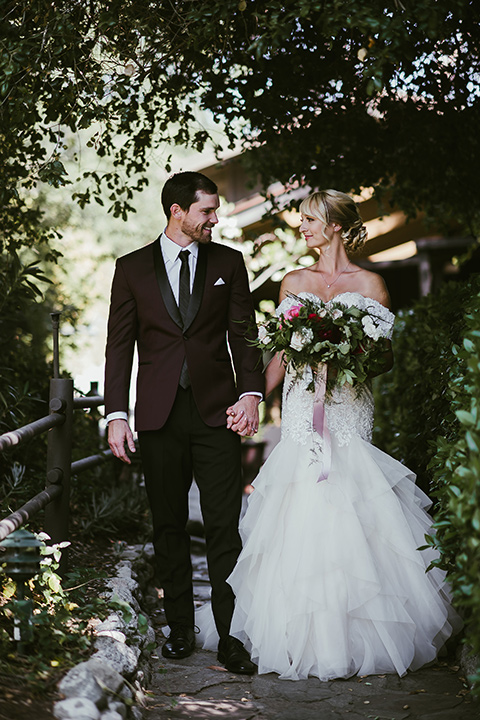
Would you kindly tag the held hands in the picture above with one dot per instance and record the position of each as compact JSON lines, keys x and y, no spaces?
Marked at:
{"x":119,"y":433}
{"x":242,"y":417}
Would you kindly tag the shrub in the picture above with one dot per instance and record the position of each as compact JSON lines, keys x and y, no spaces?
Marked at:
{"x":428,"y":416}
{"x":24,"y":374}
{"x":455,"y":470}
{"x":414,"y":400}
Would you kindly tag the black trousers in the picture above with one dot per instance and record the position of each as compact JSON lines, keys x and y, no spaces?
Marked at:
{"x":184,"y":448}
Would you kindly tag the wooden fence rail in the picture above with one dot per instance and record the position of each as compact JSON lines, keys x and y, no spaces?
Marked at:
{"x":55,"y":497}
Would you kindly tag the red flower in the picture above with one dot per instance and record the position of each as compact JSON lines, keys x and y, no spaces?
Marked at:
{"x":333,"y":334}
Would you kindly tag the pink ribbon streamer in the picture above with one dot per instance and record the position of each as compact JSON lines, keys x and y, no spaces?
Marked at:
{"x":320,"y":423}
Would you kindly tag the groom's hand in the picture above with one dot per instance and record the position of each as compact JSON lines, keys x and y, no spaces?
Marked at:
{"x":242,"y":417}
{"x":119,"y":434}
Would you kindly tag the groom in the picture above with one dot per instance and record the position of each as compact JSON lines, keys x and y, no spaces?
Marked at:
{"x":179,"y":299}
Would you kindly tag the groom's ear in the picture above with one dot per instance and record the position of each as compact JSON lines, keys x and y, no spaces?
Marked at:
{"x":176,"y":211}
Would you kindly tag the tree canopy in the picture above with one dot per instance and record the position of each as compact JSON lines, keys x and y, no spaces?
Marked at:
{"x":325,"y":93}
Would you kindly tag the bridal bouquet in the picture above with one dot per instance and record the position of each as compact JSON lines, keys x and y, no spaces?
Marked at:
{"x":311,"y":332}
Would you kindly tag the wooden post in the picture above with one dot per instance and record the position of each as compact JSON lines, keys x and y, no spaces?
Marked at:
{"x":59,"y":460}
{"x":59,"y":452}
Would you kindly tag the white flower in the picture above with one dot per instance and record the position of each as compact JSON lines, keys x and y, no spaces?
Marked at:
{"x":321,"y":312}
{"x":337,"y":313}
{"x":300,"y":338}
{"x":263,"y":335}
{"x":371,"y":328}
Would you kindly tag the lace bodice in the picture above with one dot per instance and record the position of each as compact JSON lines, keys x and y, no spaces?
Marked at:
{"x":348,"y":410}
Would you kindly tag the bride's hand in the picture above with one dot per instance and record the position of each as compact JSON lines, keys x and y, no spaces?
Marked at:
{"x":242,"y":417}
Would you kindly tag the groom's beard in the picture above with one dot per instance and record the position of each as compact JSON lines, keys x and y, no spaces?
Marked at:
{"x":201,"y":233}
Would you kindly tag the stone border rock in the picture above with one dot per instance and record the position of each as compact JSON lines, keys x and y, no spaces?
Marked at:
{"x":107,"y":686}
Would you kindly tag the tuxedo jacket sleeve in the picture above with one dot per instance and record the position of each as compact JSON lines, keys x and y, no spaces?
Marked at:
{"x":220,"y":319}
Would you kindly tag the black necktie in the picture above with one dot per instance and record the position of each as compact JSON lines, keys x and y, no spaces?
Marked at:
{"x":183,"y":302}
{"x":184,"y":286}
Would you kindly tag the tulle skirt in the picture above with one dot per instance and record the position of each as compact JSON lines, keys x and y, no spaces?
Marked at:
{"x":330,"y":581}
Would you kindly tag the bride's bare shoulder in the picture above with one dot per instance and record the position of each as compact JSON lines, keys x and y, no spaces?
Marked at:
{"x":293,"y":282}
{"x":372,"y":285}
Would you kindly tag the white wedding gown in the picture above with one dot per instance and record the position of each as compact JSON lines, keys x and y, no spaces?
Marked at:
{"x":330,"y":582}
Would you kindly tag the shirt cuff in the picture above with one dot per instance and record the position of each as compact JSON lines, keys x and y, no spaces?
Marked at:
{"x":120,"y":415}
{"x":258,"y":394}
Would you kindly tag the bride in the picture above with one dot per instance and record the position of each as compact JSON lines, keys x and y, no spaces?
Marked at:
{"x":330,"y":581}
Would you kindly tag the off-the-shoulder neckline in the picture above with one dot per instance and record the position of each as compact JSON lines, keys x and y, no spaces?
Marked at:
{"x":342,"y":294}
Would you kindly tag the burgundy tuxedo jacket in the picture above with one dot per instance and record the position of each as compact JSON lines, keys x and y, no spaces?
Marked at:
{"x":143,"y":311}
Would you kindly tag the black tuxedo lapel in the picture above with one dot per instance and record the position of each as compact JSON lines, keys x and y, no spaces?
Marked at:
{"x":164,"y":285}
{"x":166,"y":289}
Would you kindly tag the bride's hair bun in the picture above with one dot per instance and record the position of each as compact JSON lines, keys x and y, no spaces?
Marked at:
{"x":333,"y":206}
{"x":354,"y":238}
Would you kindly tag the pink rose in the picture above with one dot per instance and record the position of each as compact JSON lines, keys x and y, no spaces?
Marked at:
{"x":293,"y":312}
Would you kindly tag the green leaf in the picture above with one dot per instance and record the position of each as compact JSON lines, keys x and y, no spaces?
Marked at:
{"x":455,"y":490}
{"x":54,"y":583}
{"x":465,"y":417}
{"x":476,"y":520}
{"x":471,"y":442}
{"x":9,"y":589}
{"x":142,"y":624}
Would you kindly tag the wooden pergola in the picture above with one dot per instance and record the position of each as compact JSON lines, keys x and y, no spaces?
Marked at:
{"x":413,"y":257}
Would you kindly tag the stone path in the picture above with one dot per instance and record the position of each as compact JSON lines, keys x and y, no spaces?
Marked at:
{"x":198,"y":688}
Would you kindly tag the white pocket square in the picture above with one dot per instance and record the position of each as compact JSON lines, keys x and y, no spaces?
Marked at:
{"x":220,"y":281}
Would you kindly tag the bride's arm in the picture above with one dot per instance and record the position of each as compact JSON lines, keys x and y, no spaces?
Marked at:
{"x":274,"y":373}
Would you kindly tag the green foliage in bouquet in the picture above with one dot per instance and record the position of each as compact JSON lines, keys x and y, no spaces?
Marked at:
{"x":349,"y":339}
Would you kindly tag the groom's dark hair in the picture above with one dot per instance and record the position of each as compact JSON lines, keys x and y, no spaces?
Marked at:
{"x":182,"y":188}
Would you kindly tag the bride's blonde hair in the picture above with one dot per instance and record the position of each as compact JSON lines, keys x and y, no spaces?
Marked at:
{"x":332,"y":206}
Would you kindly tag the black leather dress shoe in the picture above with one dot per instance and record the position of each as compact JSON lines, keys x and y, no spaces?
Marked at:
{"x":180,"y":644}
{"x":234,"y":656}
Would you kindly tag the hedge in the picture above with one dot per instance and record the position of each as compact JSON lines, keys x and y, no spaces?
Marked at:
{"x":428,"y":416}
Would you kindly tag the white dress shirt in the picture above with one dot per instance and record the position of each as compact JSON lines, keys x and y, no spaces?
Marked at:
{"x":171,"y":257}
